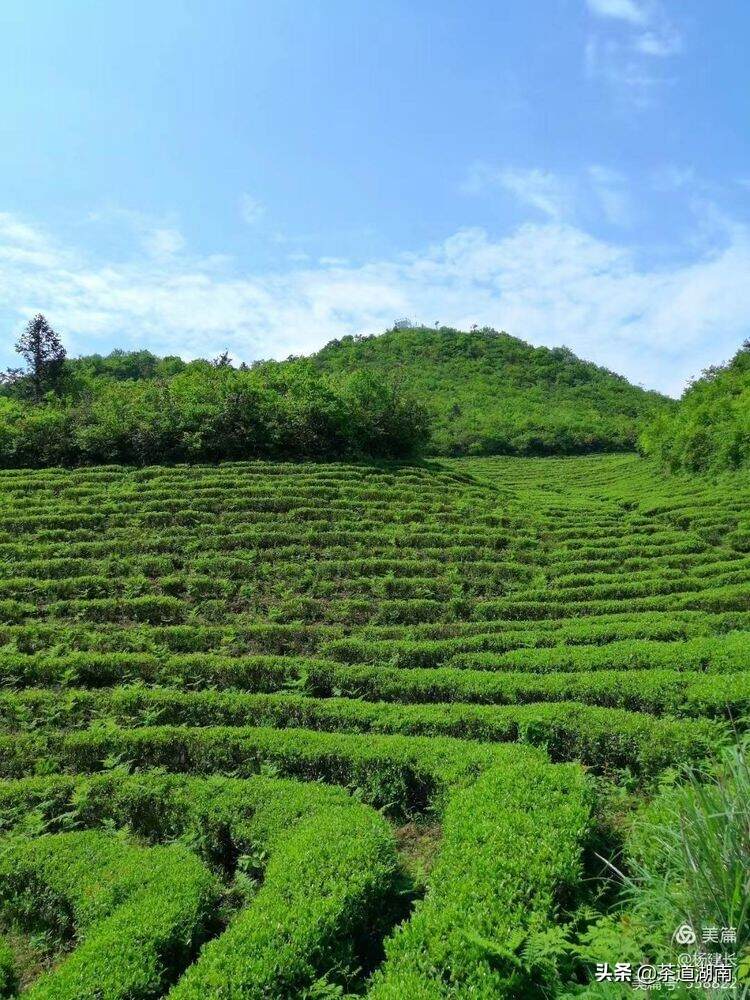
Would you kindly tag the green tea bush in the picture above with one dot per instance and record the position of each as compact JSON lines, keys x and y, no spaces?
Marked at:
{"x":141,"y":914}
{"x":325,"y":892}
{"x":498,"y":882}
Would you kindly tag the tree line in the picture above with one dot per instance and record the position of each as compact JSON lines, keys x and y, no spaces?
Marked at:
{"x":134,"y":408}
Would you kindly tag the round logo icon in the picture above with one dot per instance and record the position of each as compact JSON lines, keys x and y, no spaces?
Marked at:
{"x":684,"y":935}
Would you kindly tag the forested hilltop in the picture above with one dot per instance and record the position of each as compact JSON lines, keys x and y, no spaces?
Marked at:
{"x":488,"y":393}
{"x":710,"y":429}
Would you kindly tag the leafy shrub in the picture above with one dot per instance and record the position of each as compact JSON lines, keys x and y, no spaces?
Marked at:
{"x":499,"y":879}
{"x":325,"y":891}
{"x":327,"y":863}
{"x":141,"y":913}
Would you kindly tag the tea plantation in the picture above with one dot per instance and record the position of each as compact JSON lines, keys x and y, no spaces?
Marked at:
{"x":311,"y":730}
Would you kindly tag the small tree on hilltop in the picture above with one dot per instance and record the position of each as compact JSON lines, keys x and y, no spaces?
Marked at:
{"x":44,"y":354}
{"x":222,"y":360}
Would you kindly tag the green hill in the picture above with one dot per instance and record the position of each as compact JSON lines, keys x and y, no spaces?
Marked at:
{"x":490,"y":393}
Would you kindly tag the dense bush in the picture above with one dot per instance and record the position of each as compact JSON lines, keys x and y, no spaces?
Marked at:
{"x":325,"y":889}
{"x":710,"y":430}
{"x":327,"y":864}
{"x":329,"y":871}
{"x":496,"y":885}
{"x":141,"y":914}
{"x":208,"y":413}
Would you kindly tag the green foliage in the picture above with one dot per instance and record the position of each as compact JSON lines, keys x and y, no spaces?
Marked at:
{"x":8,"y":973}
{"x":710,"y":430}
{"x":325,"y":891}
{"x":140,"y":914}
{"x":327,"y":865}
{"x":406,"y":773}
{"x":605,"y":739}
{"x":686,"y":860}
{"x":44,"y":354}
{"x":498,"y":881}
{"x":209,"y":413}
{"x":120,"y":366}
{"x":692,"y":848}
{"x":489,"y":393}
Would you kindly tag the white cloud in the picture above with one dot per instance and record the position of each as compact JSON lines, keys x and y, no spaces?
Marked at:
{"x":626,"y":74}
{"x":598,"y":190}
{"x":158,"y":236}
{"x":539,"y":189}
{"x":672,"y":177}
{"x":549,"y":283}
{"x":251,"y":210}
{"x":21,"y":244}
{"x":624,"y":10}
{"x":163,"y":242}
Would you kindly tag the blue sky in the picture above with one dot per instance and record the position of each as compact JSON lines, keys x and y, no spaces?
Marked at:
{"x":264,"y":176}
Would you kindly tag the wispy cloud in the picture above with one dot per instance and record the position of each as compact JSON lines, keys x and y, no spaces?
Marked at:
{"x":163,"y":242}
{"x":673,"y":177}
{"x":661,"y":44}
{"x":596,"y":191}
{"x":549,"y":282}
{"x":610,"y":189}
{"x":251,"y":210}
{"x":622,"y":55}
{"x":158,"y":236}
{"x":538,"y":189}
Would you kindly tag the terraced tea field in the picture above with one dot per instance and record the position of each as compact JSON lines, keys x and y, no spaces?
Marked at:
{"x":273,"y":729}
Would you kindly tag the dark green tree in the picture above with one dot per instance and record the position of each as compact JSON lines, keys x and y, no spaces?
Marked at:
{"x":44,"y":354}
{"x":222,"y":360}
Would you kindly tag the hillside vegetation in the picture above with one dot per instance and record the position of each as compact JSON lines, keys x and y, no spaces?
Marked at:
{"x":206,"y":412}
{"x":318,"y":730}
{"x":489,"y":393}
{"x":403,"y":393}
{"x":710,"y":429}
